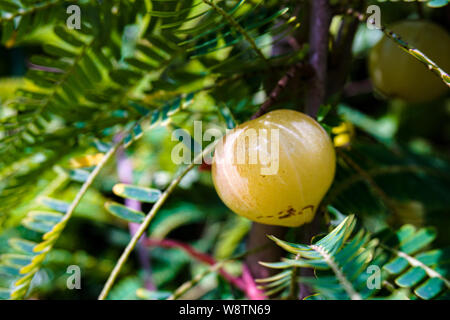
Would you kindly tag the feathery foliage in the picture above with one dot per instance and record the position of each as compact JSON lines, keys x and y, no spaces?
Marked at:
{"x":362,"y":266}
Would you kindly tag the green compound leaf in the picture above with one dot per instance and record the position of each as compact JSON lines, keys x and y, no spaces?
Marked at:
{"x":341,"y":263}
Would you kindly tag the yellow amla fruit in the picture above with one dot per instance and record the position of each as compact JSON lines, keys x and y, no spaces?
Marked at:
{"x":275,"y":169}
{"x":396,"y":74}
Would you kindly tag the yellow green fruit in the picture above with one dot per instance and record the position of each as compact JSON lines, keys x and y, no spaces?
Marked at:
{"x":285,"y":186}
{"x":396,"y":74}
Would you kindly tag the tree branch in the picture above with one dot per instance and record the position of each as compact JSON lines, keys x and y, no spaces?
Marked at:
{"x":320,"y":19}
{"x":318,"y":40}
{"x":298,"y":69}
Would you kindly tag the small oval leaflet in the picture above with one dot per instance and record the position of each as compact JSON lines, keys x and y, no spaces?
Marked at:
{"x":15,"y":259}
{"x":57,"y":205}
{"x":79,"y":175}
{"x":22,"y":245}
{"x":136,"y":193}
{"x":125,"y":213}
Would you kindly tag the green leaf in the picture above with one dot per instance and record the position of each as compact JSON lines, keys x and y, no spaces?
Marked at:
{"x":418,"y":241}
{"x":151,"y":53}
{"x":8,"y":6}
{"x":19,"y":292}
{"x":412,"y":277}
{"x":79,"y":175}
{"x":136,"y":193}
{"x":57,"y":205}
{"x":13,"y":259}
{"x":165,"y":14}
{"x":45,"y":216}
{"x":38,"y":226}
{"x":434,"y":257}
{"x":9,"y":271}
{"x":92,"y":69}
{"x":276,"y":265}
{"x":225,"y":112}
{"x":349,"y":259}
{"x":58,"y":51}
{"x":7,"y":32}
{"x":67,"y":36}
{"x":140,"y":64}
{"x":396,"y":266}
{"x":22,"y":245}
{"x":124,"y":77}
{"x":142,"y":293}
{"x":430,"y":288}
{"x":323,"y":111}
{"x":125,"y":213}
{"x":102,"y":146}
{"x":437,"y":3}
{"x":4,"y":293}
{"x":49,"y":62}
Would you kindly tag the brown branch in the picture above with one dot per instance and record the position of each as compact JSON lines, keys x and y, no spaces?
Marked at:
{"x":300,"y":69}
{"x":320,"y":16}
{"x":320,"y":19}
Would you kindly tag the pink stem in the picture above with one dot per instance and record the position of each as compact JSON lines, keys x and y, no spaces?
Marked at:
{"x":251,"y":289}
{"x":244,"y":283}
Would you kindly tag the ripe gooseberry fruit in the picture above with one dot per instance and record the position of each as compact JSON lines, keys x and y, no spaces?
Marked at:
{"x":303,"y":163}
{"x":396,"y":74}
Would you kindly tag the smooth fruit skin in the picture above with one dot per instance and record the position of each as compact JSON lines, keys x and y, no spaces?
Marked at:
{"x":396,"y":74}
{"x":307,"y":164}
